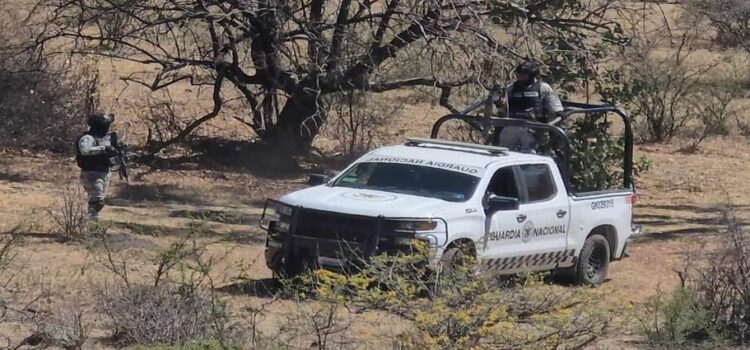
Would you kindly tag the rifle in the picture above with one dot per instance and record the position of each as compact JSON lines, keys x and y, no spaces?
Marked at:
{"x":121,"y":157}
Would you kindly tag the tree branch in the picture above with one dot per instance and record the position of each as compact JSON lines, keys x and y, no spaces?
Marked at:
{"x":218,"y":103}
{"x":334,"y":57}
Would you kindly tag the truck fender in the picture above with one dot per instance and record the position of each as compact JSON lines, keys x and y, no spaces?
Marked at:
{"x":466,"y":242}
{"x":608,"y":231}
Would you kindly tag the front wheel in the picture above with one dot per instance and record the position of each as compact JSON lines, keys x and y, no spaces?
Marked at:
{"x":456,"y":266}
{"x":453,"y":259}
{"x":592,"y":266}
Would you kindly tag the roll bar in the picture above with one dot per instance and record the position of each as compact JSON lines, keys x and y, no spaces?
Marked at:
{"x":572,"y":109}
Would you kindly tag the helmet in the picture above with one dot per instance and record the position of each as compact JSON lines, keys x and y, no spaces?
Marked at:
{"x":529,"y":67}
{"x":100,"y":120}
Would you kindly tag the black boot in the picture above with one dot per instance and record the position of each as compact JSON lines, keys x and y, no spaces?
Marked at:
{"x":95,"y":207}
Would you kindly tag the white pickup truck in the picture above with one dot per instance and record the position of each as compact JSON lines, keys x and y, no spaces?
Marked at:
{"x":510,"y":210}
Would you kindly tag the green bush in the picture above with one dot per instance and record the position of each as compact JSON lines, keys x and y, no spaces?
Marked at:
{"x":597,"y":161}
{"x":712,"y":305}
{"x":678,"y":320}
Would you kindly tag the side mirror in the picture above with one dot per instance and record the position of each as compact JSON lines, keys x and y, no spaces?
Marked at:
{"x":499,"y":203}
{"x":317,"y":179}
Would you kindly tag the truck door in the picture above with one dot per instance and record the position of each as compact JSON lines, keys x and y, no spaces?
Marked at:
{"x":534,"y":236}
{"x":502,"y":228}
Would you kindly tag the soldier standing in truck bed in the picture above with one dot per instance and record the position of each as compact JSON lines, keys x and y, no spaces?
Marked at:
{"x":531,"y":99}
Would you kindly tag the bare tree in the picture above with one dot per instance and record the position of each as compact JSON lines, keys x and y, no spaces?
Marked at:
{"x":659,"y":89}
{"x":715,"y":106}
{"x":730,"y":18}
{"x":281,"y":57}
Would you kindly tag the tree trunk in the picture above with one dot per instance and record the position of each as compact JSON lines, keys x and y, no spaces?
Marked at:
{"x":299,"y":121}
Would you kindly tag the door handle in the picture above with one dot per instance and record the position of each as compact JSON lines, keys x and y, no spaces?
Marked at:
{"x":521,"y":218}
{"x":561,"y":213}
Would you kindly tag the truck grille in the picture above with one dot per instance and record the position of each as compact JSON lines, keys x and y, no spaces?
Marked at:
{"x":333,"y":226}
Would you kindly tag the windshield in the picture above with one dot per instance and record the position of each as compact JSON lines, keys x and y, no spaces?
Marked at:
{"x":410,"y":179}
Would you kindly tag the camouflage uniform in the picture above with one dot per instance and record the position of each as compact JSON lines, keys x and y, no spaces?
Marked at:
{"x":94,"y":160}
{"x":537,"y":96}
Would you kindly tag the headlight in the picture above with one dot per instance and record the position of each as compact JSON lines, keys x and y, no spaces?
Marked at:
{"x":277,"y":212}
{"x":280,"y":211}
{"x":415,"y":226}
{"x":284,"y":210}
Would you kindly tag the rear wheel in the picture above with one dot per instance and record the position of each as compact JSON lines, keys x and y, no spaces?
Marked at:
{"x":593,"y":263}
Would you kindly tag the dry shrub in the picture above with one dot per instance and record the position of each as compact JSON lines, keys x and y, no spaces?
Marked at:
{"x":730,"y":19}
{"x":487,"y":315}
{"x":205,"y":344}
{"x":70,"y":216}
{"x":317,"y":324}
{"x":8,"y":242}
{"x":161,"y":115}
{"x":742,"y":126}
{"x":676,"y":320}
{"x":357,"y":121}
{"x":66,"y":328}
{"x":723,"y":287}
{"x":159,"y":314}
{"x":711,"y":306}
{"x":42,"y":102}
{"x":170,"y":310}
{"x":716,"y":106}
{"x":472,"y":309}
{"x":42,"y":110}
{"x":669,"y":88}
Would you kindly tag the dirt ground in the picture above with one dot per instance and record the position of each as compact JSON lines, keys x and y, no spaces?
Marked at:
{"x":682,"y":201}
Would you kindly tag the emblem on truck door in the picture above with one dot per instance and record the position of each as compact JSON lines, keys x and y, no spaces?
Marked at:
{"x":528,"y":231}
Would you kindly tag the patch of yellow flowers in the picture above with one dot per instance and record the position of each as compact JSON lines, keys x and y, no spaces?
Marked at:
{"x":473,"y":311}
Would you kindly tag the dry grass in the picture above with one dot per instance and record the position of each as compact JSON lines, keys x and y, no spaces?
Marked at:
{"x":680,"y":207}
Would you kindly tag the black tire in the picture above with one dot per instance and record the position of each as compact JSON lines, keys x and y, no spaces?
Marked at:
{"x":290,"y":269}
{"x":281,"y":274}
{"x":592,"y":266}
{"x":452,"y":258}
{"x":452,"y":266}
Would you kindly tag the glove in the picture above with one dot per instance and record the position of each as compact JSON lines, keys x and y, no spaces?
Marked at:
{"x":499,"y":103}
{"x":111,"y":151}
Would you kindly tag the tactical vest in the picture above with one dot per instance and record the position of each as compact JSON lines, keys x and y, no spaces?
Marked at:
{"x":98,"y":162}
{"x":526,"y":97}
